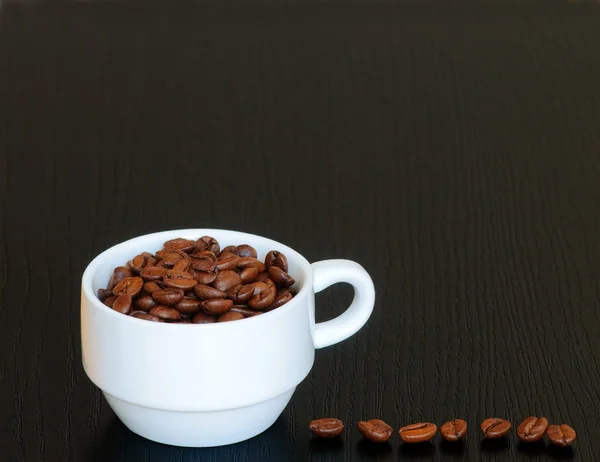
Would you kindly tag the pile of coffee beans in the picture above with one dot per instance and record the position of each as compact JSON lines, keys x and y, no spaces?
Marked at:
{"x":532,"y":429}
{"x":195,"y":282}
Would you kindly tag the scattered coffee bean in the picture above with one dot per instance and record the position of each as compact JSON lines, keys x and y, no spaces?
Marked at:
{"x":230,"y":316}
{"x":561,"y":435}
{"x":193,"y":281}
{"x":375,"y":430}
{"x":326,"y":428}
{"x":532,"y":429}
{"x":495,"y":428}
{"x":418,"y":432}
{"x":166,"y":313}
{"x":454,"y":430}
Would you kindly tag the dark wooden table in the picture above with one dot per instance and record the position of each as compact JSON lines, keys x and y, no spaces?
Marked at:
{"x":453,"y":150}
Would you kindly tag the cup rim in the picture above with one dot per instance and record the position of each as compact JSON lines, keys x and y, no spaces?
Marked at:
{"x":93,"y":266}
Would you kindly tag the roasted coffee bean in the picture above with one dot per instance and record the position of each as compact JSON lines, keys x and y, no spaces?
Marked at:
{"x":208,"y":243}
{"x":454,"y":430}
{"x":185,"y":321}
{"x":249,"y":275}
{"x":168,"y":297}
{"x":495,"y":428}
{"x":204,"y":271}
{"x":262,"y":300}
{"x":240,"y":293}
{"x":183,"y":265}
{"x":122,"y":304}
{"x":226,"y":279}
{"x":227,"y":263}
{"x":251,"y":262}
{"x":168,"y":257}
{"x":532,"y":429}
{"x":129,"y":286}
{"x":204,"y":255}
{"x":153,"y":286}
{"x":145,"y":303}
{"x":275,"y":258}
{"x":166,"y":313}
{"x":417,"y":433}
{"x":202,"y":318}
{"x":110,"y":300}
{"x":141,"y":261}
{"x":230,"y":316}
{"x":280,"y":277}
{"x":217,"y":306}
{"x":179,"y":280}
{"x":189,"y":306}
{"x":185,"y":245}
{"x":561,"y":435}
{"x":103,"y":294}
{"x":262,"y":276}
{"x":246,"y":250}
{"x":243,"y":309}
{"x":326,"y":428}
{"x":145,"y":316}
{"x":119,"y":273}
{"x":260,"y":287}
{"x":231,"y":249}
{"x":375,"y":430}
{"x":270,"y":283}
{"x":205,"y":292}
{"x":281,"y":299}
{"x":153,"y":273}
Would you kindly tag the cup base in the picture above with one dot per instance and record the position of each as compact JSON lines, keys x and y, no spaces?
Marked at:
{"x":199,"y":429}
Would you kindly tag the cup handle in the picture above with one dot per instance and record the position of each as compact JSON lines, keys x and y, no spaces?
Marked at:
{"x":328,"y":272}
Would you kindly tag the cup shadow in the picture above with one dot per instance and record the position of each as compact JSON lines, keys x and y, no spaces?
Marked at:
{"x":328,"y":445}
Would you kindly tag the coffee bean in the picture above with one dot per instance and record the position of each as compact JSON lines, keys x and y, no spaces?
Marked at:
{"x":231,"y":249}
{"x":227,"y":263}
{"x":251,"y":262}
{"x":129,"y":286}
{"x":145,"y":303}
{"x":495,"y":428}
{"x":110,"y":300}
{"x":145,"y":316}
{"x":375,"y":430}
{"x":185,"y":245}
{"x":204,"y":255}
{"x":183,"y":265}
{"x":168,"y":258}
{"x":249,"y":275}
{"x":226,"y":279}
{"x":204,"y":271}
{"x":417,"y":433}
{"x":244,"y":310}
{"x":280,"y":277}
{"x":153,"y":286}
{"x":168,"y":296}
{"x":166,"y":313}
{"x":561,"y":435}
{"x":185,"y":321}
{"x":260,"y":287}
{"x":205,"y":292}
{"x":122,"y":304}
{"x":141,"y":261}
{"x":270,"y":283}
{"x":532,"y":429}
{"x":189,"y":306}
{"x":262,"y":276}
{"x":326,"y":428}
{"x":119,"y":273}
{"x":208,"y":243}
{"x":240,"y":293}
{"x":103,"y":294}
{"x":281,"y":299}
{"x":179,"y":280}
{"x":454,"y":430}
{"x":263,"y":299}
{"x":202,"y":318}
{"x":275,"y":258}
{"x":246,"y":250}
{"x":153,"y":273}
{"x":217,"y":306}
{"x":230,"y":316}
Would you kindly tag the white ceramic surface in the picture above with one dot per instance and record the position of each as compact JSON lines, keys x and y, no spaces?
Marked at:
{"x":211,"y":384}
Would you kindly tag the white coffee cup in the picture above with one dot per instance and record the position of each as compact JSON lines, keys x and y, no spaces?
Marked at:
{"x":211,"y":384}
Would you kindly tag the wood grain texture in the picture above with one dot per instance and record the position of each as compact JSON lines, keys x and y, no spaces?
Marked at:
{"x":453,"y":151}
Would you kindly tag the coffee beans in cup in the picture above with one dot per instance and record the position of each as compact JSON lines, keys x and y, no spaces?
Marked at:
{"x":195,"y":282}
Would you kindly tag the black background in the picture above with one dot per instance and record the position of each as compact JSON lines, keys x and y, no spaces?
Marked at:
{"x":453,"y":149}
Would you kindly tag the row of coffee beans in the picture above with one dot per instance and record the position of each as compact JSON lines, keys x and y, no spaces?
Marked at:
{"x":195,"y":282}
{"x":532,"y":429}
